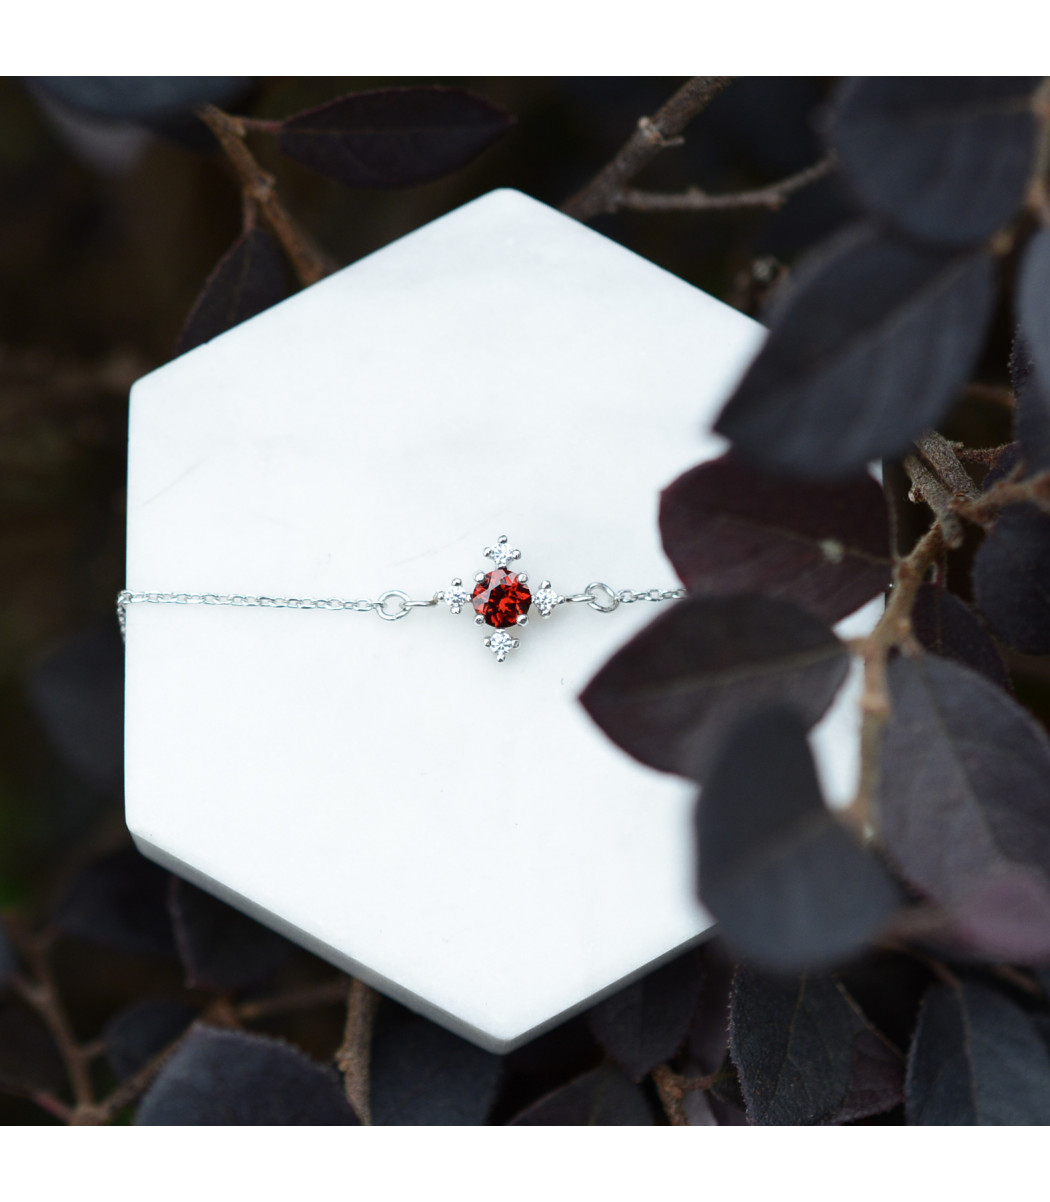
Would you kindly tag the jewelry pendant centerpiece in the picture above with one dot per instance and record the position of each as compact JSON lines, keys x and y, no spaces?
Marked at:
{"x":501,"y":598}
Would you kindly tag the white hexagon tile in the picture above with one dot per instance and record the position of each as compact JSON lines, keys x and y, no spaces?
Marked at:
{"x":452,"y":829}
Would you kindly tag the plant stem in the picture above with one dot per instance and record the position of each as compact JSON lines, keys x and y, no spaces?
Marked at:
{"x":258,"y":186}
{"x":695,"y":200}
{"x":893,"y":630}
{"x":325,"y":994}
{"x":652,"y":135}
{"x":927,"y":487}
{"x":940,"y":454}
{"x":41,"y":992}
{"x":355,"y":1054}
{"x":1038,"y":200}
{"x":985,"y":508}
{"x":672,"y":1088}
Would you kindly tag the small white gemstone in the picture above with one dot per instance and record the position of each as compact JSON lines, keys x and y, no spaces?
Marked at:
{"x":456,"y":598}
{"x":545,"y":600}
{"x":500,"y":643}
{"x":502,"y":554}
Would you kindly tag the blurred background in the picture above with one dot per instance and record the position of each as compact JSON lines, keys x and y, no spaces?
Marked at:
{"x":114,"y":207}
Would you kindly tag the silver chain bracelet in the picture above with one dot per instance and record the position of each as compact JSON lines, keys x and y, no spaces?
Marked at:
{"x":501,"y":599}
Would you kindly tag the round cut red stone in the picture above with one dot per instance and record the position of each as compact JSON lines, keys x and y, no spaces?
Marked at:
{"x":501,"y":599}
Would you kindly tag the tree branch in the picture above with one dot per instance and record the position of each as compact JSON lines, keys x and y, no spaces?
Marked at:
{"x":926,"y":487}
{"x":941,"y":455}
{"x":652,"y":135}
{"x":309,"y":262}
{"x":354,"y":1057}
{"x":695,"y":200}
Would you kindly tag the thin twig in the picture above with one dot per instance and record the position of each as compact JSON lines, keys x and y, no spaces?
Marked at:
{"x":129,"y":1090}
{"x":52,"y":1105}
{"x":220,"y":1012}
{"x":308,"y":261}
{"x":41,"y":992}
{"x":1006,"y":972}
{"x":893,"y":630}
{"x":327,"y":993}
{"x":989,"y":456}
{"x":997,"y":394}
{"x":355,"y":1054}
{"x":1011,"y":491}
{"x":695,"y":200}
{"x":1038,"y":200}
{"x":652,"y":135}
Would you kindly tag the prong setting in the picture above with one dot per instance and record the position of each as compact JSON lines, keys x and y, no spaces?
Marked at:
{"x":502,"y":553}
{"x":546,"y":599}
{"x":456,"y":596}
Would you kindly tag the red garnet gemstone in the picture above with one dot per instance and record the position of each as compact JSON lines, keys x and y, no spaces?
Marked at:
{"x":501,"y":598}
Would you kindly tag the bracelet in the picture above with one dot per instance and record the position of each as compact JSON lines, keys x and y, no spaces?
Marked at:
{"x":500,"y":598}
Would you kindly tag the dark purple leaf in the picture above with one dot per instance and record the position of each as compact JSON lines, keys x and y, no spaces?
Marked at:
{"x":726,"y":1087}
{"x":137,"y":1033}
{"x":1032,"y":415}
{"x":889,"y":988}
{"x":424,"y":1076}
{"x":557,"y":1055}
{"x":945,"y":158}
{"x":77,"y":690}
{"x":789,"y":887}
{"x":963,"y":804}
{"x":1033,"y":307}
{"x":604,"y":1097}
{"x":220,"y":947}
{"x":877,"y":1084}
{"x":1011,"y":579}
{"x":728,"y":528}
{"x":646,"y":1023}
{"x":708,"y":1040}
{"x":673,"y":693}
{"x":250,"y":277}
{"x":137,"y":97}
{"x":805,"y":1054}
{"x":29,"y":1059}
{"x":120,"y":901}
{"x":976,"y":1059}
{"x":394,"y":137}
{"x":871,"y":341}
{"x":220,"y":1078}
{"x":947,"y":626}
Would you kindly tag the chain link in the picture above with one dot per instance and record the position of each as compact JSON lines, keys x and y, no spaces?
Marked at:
{"x":604,"y":599}
{"x":390,"y":606}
